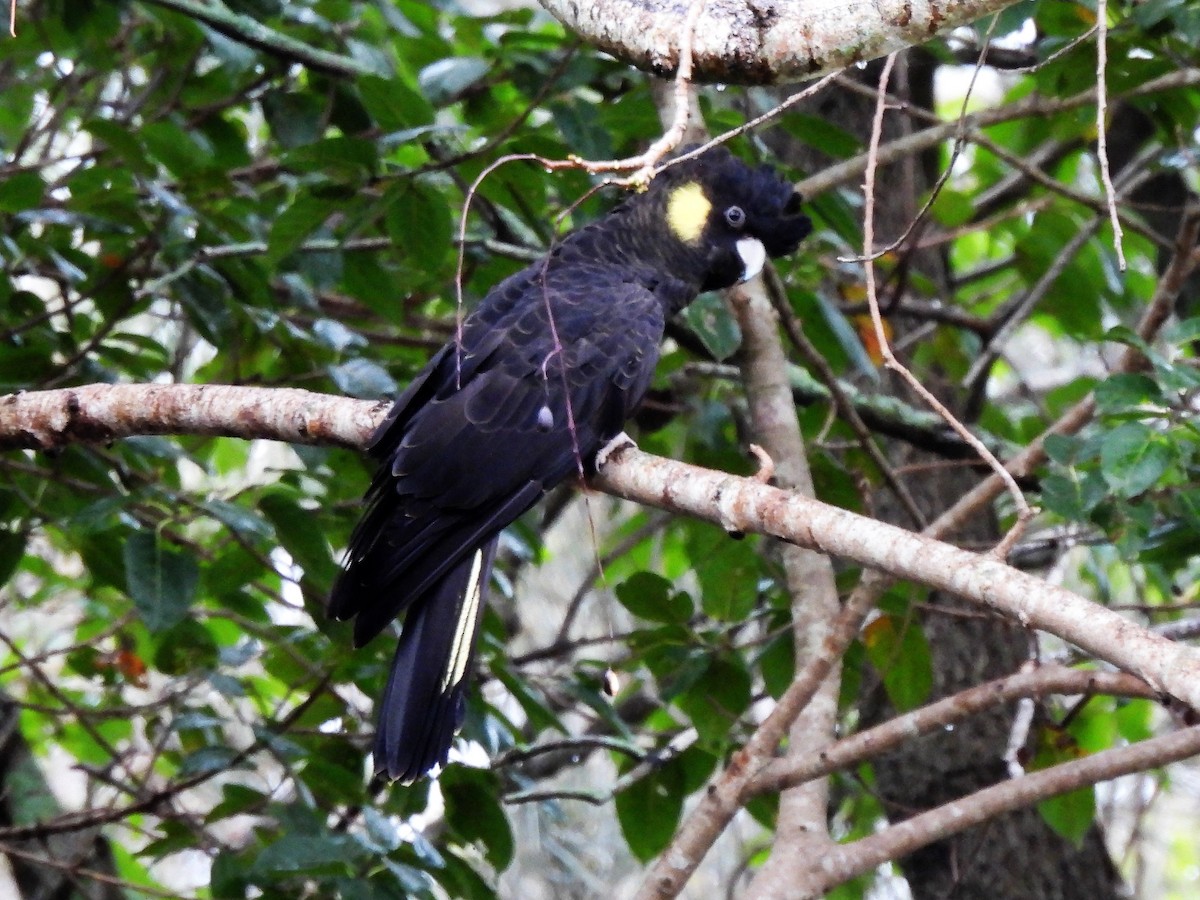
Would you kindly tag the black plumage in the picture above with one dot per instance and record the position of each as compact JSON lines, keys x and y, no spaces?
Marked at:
{"x":544,"y":373}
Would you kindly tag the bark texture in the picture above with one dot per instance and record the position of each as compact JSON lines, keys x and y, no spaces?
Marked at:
{"x":1015,"y":856}
{"x":764,"y":41}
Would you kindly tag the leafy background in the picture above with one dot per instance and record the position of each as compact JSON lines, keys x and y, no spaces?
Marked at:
{"x":180,"y":204}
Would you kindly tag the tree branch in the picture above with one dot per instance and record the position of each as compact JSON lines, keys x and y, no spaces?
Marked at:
{"x":742,"y":504}
{"x":101,"y":413}
{"x":846,"y":861}
{"x":802,"y":831}
{"x":252,"y":33}
{"x":766,"y":42}
{"x":1042,"y":681}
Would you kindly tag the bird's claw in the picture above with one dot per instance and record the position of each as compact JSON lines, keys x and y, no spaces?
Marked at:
{"x":617,"y":444}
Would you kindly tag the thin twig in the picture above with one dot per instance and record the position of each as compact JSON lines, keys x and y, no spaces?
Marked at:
{"x":960,"y":138}
{"x":1101,"y":127}
{"x":683,"y":97}
{"x":845,"y":408}
{"x":1024,"y":512}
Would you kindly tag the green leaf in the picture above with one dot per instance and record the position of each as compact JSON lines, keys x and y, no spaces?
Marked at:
{"x":290,"y":229}
{"x":714,"y":324}
{"x":1183,"y":332}
{"x":206,"y":760}
{"x":178,"y":150}
{"x":185,"y":648}
{"x":444,"y":80}
{"x":419,"y":221}
{"x":121,"y":142}
{"x":294,"y":118}
{"x":649,"y":811}
{"x":1075,"y":495}
{"x":307,"y":854}
{"x":160,"y":579}
{"x":778,"y":663}
{"x":237,"y":799}
{"x":239,"y":518}
{"x":364,"y":379}
{"x":1070,"y":814}
{"x":346,"y":160}
{"x":716,"y":700}
{"x":728,"y":570}
{"x":822,"y":133}
{"x":393,"y":104}
{"x":20,"y":191}
{"x":294,"y":527}
{"x":12,"y":551}
{"x":952,"y":208}
{"x":900,"y":654}
{"x":1124,"y":390}
{"x":649,"y":596}
{"x":1135,"y":719}
{"x":532,"y":701}
{"x":1133,"y":458}
{"x":228,"y":878}
{"x":473,"y":811}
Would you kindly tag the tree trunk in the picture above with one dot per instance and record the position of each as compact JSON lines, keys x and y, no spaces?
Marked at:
{"x":1018,"y":856}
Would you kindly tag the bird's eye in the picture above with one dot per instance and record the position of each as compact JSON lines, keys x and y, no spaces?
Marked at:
{"x":735,"y":216}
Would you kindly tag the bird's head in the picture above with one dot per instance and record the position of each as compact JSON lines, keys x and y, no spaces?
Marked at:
{"x":729,"y":216}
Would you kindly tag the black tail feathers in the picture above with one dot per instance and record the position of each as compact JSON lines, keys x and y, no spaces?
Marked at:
{"x":425,"y":700}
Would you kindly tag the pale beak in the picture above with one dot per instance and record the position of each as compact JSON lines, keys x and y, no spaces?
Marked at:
{"x":753,"y":255}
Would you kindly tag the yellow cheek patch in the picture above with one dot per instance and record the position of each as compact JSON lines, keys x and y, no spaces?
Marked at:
{"x":687,"y":211}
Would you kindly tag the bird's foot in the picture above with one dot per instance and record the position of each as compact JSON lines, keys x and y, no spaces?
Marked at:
{"x":620,"y":442}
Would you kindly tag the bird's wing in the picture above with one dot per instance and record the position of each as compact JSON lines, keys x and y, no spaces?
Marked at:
{"x":481,"y":434}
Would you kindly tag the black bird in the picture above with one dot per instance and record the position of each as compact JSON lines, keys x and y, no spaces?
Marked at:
{"x":543,"y":375}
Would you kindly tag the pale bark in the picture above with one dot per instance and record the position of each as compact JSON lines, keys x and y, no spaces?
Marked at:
{"x":764,"y":41}
{"x":107,"y":412}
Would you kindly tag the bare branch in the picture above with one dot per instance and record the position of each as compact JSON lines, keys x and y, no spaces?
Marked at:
{"x":107,"y":412}
{"x":1038,"y":682}
{"x":98,"y":413}
{"x":254,"y":34}
{"x":845,"y":861}
{"x":1024,"y":513}
{"x":802,"y":831}
{"x":766,"y":42}
{"x":1110,"y":193}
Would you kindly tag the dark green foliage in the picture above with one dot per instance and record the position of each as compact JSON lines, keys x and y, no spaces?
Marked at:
{"x":180,"y":205}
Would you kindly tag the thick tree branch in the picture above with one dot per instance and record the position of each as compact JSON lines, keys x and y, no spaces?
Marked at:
{"x":766,"y":42}
{"x":741,"y":504}
{"x":106,"y":412}
{"x":98,"y":413}
{"x":802,"y":828}
{"x":101,"y":413}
